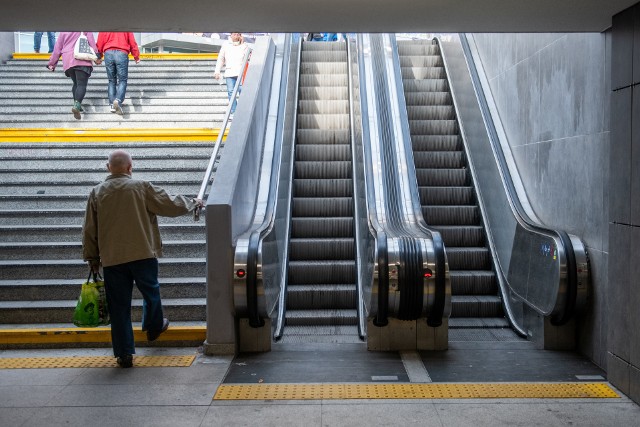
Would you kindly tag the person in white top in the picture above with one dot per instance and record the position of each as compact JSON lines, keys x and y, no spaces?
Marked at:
{"x":230,"y":56}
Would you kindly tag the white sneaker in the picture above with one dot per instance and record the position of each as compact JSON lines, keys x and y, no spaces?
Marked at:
{"x":116,"y":106}
{"x":230,"y":117}
{"x":112,"y":108}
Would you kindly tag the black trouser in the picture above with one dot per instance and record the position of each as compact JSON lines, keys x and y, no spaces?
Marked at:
{"x":80,"y":80}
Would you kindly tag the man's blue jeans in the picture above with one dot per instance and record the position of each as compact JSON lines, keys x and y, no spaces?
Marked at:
{"x":231,"y":83}
{"x":117,"y":64}
{"x":118,"y":282}
{"x":37,"y":39}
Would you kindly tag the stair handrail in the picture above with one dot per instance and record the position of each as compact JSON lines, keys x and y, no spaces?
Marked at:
{"x":206,"y":180}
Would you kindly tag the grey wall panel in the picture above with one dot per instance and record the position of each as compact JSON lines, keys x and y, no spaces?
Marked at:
{"x":622,"y":50}
{"x":633,"y":303}
{"x":633,"y":158}
{"x":634,"y":383}
{"x":619,"y":323}
{"x":620,"y":157}
{"x":618,"y":373}
{"x":635,"y":12}
{"x":593,"y":334}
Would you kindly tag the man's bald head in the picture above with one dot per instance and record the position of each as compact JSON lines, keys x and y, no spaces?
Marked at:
{"x":120,"y":162}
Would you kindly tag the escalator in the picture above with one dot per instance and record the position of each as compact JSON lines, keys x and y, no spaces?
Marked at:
{"x":321,"y":294}
{"x":447,"y":194}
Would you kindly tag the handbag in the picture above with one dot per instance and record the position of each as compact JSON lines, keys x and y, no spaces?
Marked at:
{"x":83,"y":51}
{"x":91,"y":310}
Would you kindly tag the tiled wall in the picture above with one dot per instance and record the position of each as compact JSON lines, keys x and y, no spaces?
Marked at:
{"x":552,"y":92}
{"x":624,"y":209}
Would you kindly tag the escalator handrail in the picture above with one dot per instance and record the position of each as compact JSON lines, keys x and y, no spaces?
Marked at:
{"x":258,"y":233}
{"x":520,"y":213}
{"x":437,"y":312}
{"x":282,"y":298}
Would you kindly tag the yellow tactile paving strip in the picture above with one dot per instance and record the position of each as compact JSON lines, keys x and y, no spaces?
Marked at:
{"x":93,"y":362}
{"x":414,"y":391}
{"x":143,"y":56}
{"x":109,"y":135}
{"x":93,"y":335}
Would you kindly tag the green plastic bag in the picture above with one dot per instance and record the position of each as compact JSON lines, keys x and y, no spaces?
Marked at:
{"x":91,"y":309}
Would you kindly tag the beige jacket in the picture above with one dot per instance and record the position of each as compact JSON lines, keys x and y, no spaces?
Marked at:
{"x":121,"y":223}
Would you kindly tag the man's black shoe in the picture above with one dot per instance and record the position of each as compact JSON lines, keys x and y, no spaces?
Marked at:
{"x":153,"y":335}
{"x":125,"y":361}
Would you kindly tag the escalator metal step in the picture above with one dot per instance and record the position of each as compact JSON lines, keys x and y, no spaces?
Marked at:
{"x":322,"y":170}
{"x":323,"y":56}
{"x":433,"y":85}
{"x":439,"y":160}
{"x":428,"y":98}
{"x":330,"y":272}
{"x":323,"y":188}
{"x":436,"y":142}
{"x":443,"y":177}
{"x":323,"y":152}
{"x":321,"y":317}
{"x":331,"y":106}
{"x":423,"y":72}
{"x":447,"y":195}
{"x":471,"y":282}
{"x":421,"y":61}
{"x":322,"y":249}
{"x":434,"y":127}
{"x":322,"y":136}
{"x":425,"y":48}
{"x":322,"y":207}
{"x":476,"y":306}
{"x":478,"y":322}
{"x":316,"y":296}
{"x":323,"y":121}
{"x":451,"y":215}
{"x":323,"y":80}
{"x":461,"y":235}
{"x":324,"y":68}
{"x":324,"y":93}
{"x":469,"y":258}
{"x":322,"y":227}
{"x":431,"y":112}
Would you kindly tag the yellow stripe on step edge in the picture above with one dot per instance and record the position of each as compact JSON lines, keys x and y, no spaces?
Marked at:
{"x":93,"y":335}
{"x":109,"y":135}
{"x":143,"y":56}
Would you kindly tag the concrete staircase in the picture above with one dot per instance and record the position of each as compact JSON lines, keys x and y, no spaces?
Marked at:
{"x":44,"y":186}
{"x":160,"y":94}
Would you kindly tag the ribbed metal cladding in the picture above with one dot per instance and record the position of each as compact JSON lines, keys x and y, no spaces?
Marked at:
{"x":446,"y":189}
{"x":321,"y":286}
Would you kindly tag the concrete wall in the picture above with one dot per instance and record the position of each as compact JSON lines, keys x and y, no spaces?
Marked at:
{"x":553,"y":94}
{"x":624,"y":213}
{"x":7,"y":46}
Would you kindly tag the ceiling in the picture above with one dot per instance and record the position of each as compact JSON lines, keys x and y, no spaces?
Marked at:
{"x":432,"y":16}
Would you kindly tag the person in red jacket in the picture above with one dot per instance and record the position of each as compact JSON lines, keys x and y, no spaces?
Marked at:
{"x":116,"y":48}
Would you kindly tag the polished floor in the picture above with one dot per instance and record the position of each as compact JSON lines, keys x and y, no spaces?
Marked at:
{"x":186,"y":396}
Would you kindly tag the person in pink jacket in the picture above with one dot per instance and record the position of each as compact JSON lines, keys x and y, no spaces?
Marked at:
{"x":77,"y":70}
